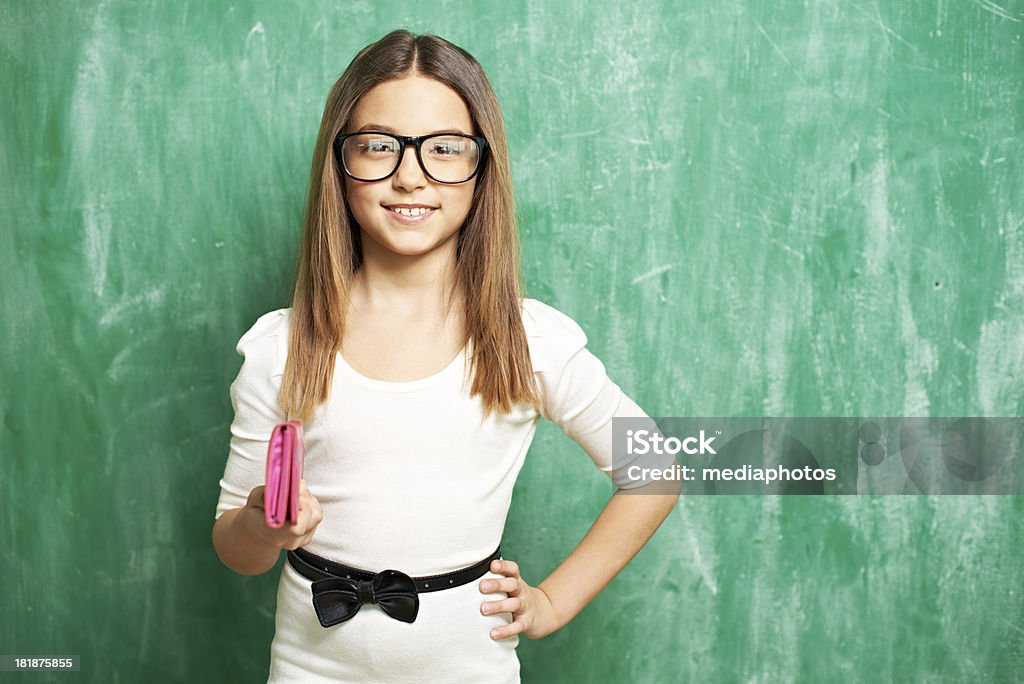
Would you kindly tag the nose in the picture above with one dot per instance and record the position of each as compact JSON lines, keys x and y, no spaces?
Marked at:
{"x":409,"y":175}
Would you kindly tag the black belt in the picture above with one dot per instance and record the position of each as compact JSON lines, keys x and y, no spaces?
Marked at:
{"x":339,"y":590}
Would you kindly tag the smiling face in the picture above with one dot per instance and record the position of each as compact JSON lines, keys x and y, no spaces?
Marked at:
{"x":409,"y":106}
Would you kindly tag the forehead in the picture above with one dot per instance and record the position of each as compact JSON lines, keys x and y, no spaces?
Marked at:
{"x":413,"y":106}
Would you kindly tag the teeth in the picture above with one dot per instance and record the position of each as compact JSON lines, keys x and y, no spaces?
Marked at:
{"x":415,"y":211}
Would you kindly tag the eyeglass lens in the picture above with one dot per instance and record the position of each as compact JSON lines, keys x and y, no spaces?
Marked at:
{"x":448,"y":158}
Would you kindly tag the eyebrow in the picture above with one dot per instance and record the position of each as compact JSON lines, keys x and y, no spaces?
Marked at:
{"x":389,"y":129}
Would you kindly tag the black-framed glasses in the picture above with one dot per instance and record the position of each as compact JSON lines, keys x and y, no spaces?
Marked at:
{"x":444,"y":157}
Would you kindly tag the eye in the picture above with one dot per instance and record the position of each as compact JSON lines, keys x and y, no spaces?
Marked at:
{"x":378,"y":146}
{"x":445,"y":147}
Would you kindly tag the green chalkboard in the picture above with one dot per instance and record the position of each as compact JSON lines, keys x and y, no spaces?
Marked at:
{"x":752,"y":208}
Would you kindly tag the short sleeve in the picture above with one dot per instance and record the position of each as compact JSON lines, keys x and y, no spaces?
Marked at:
{"x":254,"y":397}
{"x":577,"y":393}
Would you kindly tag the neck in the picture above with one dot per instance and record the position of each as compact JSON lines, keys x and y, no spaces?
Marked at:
{"x":418,"y":285}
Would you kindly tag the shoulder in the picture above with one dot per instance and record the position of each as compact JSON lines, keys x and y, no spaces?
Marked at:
{"x":266,"y":341}
{"x":553,"y":336}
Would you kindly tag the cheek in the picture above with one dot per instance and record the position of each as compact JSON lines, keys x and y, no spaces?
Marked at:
{"x":360,"y":201}
{"x":461,"y":203}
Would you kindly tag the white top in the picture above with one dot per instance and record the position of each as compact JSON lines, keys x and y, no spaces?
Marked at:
{"x":411,"y":477}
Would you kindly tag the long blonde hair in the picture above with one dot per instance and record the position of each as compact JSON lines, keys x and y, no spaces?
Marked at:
{"x":487,"y":251}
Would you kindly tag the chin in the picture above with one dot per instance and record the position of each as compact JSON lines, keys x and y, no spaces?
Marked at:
{"x":411,"y":250}
{"x":409,"y":243}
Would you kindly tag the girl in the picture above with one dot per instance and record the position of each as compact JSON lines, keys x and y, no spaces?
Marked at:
{"x":419,"y":374}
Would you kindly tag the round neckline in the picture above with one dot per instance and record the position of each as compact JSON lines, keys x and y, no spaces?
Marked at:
{"x":403,"y":386}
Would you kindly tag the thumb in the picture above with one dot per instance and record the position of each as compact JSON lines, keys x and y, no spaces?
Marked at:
{"x":256,"y":497}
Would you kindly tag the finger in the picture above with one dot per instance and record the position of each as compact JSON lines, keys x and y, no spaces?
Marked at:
{"x":509,"y":605}
{"x":505,"y":584}
{"x":298,"y":527}
{"x":298,"y":541}
{"x":316,"y":513}
{"x":306,"y":519}
{"x":506,"y":567}
{"x":506,"y":631}
{"x":308,"y":537}
{"x":312,"y":506}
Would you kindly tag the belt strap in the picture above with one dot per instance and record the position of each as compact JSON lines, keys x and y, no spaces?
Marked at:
{"x":314,"y":567}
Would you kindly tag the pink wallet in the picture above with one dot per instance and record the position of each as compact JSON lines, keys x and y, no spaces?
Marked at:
{"x":284,"y":470}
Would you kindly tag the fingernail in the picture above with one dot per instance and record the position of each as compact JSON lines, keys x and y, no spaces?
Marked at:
{"x":496,"y":565}
{"x":487,"y":585}
{"x":494,"y":633}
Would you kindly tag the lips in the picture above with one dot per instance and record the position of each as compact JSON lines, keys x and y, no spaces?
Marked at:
{"x":410,"y":213}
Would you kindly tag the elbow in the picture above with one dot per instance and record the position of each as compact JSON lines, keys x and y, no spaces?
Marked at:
{"x":215,"y":535}
{"x":674,"y":492}
{"x":652,"y":510}
{"x":239,"y":555}
{"x":667,"y":494}
{"x":218,"y":542}
{"x":668,"y":491}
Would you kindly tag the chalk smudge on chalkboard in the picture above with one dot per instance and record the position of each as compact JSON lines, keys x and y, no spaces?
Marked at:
{"x":879,"y":228}
{"x":91,"y":83}
{"x":150,"y":298}
{"x":650,"y":274}
{"x":703,"y":566}
{"x":1000,"y":362}
{"x":98,"y":225}
{"x":920,"y":360}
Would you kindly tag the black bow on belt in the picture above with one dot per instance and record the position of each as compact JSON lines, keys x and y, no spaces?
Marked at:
{"x":337,"y":599}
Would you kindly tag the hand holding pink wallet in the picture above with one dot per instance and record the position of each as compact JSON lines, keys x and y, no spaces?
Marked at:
{"x":284,"y":472}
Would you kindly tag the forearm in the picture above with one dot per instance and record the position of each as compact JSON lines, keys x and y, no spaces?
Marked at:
{"x":238,"y":548}
{"x":625,"y":524}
